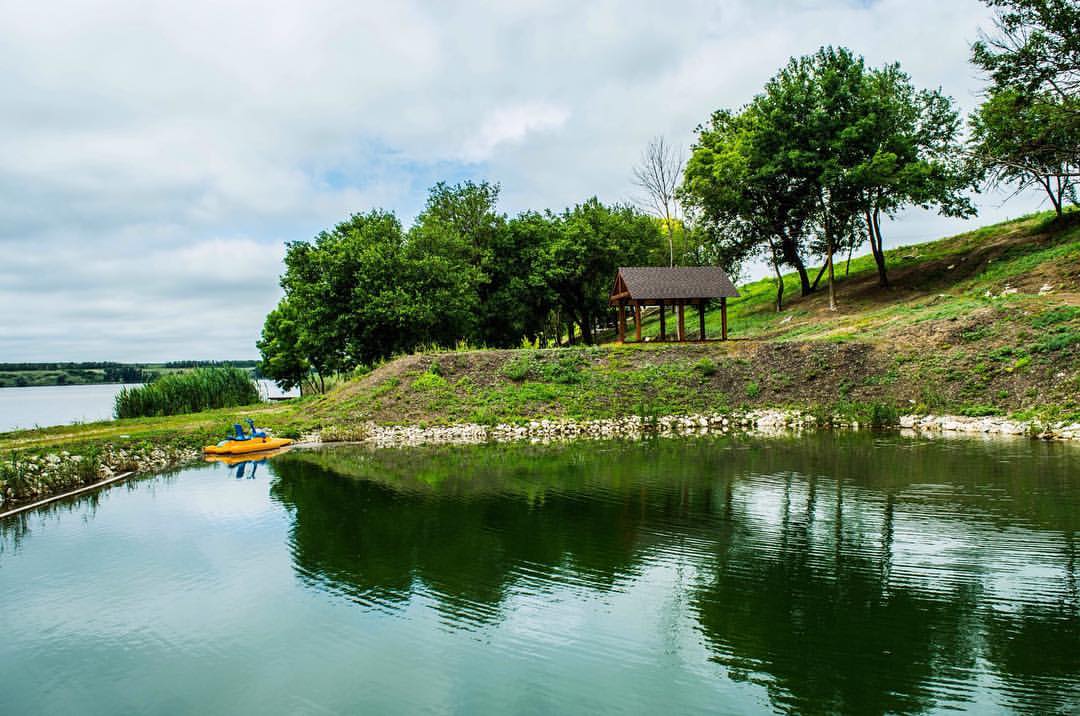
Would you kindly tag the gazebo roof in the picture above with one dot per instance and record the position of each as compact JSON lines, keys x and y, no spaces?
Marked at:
{"x":654,"y":283}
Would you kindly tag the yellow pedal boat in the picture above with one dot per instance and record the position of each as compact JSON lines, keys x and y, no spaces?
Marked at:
{"x":242,"y":447}
{"x":241,"y":459}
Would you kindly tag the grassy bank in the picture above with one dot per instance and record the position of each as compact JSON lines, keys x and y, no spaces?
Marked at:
{"x":986,"y":323}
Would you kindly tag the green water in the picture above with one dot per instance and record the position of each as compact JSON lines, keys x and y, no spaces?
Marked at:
{"x":829,"y":574}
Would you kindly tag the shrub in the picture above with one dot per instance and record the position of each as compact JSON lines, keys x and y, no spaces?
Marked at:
{"x":429,"y":381}
{"x":978,"y":411}
{"x":1059,"y":340}
{"x":706,"y":367}
{"x":753,"y":390}
{"x":1060,"y":314}
{"x":518,"y":369}
{"x":566,"y":369}
{"x":188,"y":392}
{"x":883,"y":415}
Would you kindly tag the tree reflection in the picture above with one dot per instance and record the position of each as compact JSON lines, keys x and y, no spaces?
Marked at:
{"x":814,"y":567}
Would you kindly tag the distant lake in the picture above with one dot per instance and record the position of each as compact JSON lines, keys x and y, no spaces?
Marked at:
{"x":43,"y":406}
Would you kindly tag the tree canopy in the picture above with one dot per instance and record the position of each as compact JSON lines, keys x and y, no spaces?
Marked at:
{"x":368,"y":289}
{"x":808,"y":167}
{"x":1027,"y":132}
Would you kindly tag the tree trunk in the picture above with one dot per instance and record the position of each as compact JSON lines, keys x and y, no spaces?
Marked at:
{"x":779,"y":287}
{"x":877,"y":248}
{"x":804,"y":279}
{"x":832,"y":288}
{"x":820,"y":273}
{"x":791,"y":256}
{"x":1055,"y":198}
{"x":670,"y":240}
{"x":586,"y":330}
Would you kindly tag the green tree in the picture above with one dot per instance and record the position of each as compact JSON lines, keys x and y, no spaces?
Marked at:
{"x":742,"y":194}
{"x":279,"y":346}
{"x":811,"y":164}
{"x":589,"y":244}
{"x":346,"y":292}
{"x":1020,"y":140}
{"x":1036,"y":47}
{"x":1027,"y":132}
{"x":909,"y":154}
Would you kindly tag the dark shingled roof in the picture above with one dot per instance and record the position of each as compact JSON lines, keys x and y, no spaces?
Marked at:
{"x":654,"y":283}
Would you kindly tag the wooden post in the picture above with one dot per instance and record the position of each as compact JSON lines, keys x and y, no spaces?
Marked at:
{"x":637,"y":321}
{"x":663,"y":323}
{"x":701,"y":320}
{"x":723,"y":319}
{"x":682,"y":321}
{"x":622,"y":322}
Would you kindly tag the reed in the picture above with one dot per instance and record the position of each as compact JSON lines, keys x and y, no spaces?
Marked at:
{"x":188,"y":392}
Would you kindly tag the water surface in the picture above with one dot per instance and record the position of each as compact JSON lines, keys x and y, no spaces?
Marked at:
{"x":47,"y":405}
{"x":845,"y":573}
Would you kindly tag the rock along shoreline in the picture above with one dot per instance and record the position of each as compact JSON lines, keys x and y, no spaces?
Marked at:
{"x":44,"y":475}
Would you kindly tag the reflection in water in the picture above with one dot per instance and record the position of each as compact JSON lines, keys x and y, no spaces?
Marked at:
{"x":837,"y":572}
{"x":832,"y":573}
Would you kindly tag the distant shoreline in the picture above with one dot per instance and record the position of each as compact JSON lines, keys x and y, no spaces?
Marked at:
{"x":32,"y":374}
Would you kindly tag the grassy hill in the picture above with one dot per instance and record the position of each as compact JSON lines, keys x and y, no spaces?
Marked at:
{"x":984,"y":323}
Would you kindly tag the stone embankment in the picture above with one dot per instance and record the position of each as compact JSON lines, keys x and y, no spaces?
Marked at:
{"x":755,"y":422}
{"x":989,"y":426}
{"x":758,"y":422}
{"x":33,"y":476}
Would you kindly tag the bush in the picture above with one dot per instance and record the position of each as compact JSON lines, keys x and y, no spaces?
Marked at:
{"x":978,"y":411}
{"x":1060,"y":314}
{"x":883,"y":415}
{"x":706,"y":367}
{"x":518,"y":369}
{"x":753,"y":390}
{"x":429,"y":381}
{"x":189,"y":392}
{"x":566,"y":370}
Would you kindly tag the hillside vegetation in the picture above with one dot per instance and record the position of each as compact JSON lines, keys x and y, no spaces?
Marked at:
{"x":984,"y":323}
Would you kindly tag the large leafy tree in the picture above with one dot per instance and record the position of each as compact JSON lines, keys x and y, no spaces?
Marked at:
{"x":589,"y":243}
{"x":1036,"y":47}
{"x":743,"y":198}
{"x":344,"y":290}
{"x":1021,"y":141}
{"x":908,"y":154}
{"x":281,"y":346}
{"x":1027,"y":132}
{"x":812,"y":163}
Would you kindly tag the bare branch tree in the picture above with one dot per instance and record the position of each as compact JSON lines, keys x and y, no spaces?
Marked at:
{"x":659,"y":175}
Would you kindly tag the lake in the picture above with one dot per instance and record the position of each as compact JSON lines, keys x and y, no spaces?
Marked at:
{"x":833,"y":573}
{"x":43,"y":406}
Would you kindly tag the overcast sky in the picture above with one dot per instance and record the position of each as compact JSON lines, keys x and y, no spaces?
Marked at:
{"x":154,"y":157}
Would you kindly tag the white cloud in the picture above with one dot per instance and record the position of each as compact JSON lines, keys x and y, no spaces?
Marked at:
{"x":157,"y":155}
{"x":512,"y":124}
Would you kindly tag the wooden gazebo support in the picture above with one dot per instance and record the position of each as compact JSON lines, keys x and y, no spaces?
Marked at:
{"x":678,"y":307}
{"x":674,"y":287}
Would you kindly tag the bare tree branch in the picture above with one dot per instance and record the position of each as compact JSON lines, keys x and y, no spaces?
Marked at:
{"x":659,"y":175}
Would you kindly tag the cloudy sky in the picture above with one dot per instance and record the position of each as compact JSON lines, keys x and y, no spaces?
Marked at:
{"x":154,"y":157}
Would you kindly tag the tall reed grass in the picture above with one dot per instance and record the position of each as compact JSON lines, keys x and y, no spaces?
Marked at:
{"x":188,"y":392}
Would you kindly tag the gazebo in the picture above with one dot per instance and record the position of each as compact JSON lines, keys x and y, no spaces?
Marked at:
{"x":677,"y":287}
